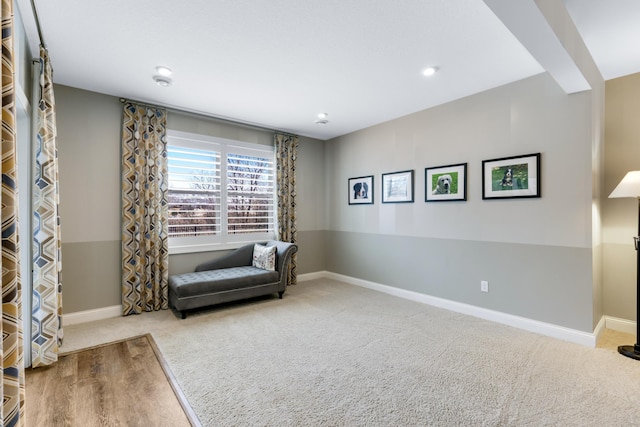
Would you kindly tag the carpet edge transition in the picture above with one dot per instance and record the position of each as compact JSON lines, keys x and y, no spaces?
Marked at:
{"x":182,"y":399}
{"x":190,"y":415}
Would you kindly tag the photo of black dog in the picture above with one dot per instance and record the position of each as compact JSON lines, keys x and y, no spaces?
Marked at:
{"x":512,"y":177}
{"x":360,"y":190}
{"x":507,"y":179}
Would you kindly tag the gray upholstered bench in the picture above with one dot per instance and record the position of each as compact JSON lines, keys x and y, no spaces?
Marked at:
{"x":230,"y":278}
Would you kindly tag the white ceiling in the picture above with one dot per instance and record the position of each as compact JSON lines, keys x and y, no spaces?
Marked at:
{"x":279,"y":63}
{"x":611,"y":31}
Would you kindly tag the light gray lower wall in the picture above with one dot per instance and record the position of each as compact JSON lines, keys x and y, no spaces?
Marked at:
{"x":598,"y":284}
{"x":91,"y":275}
{"x":311,"y":255}
{"x":186,"y":263}
{"x":312,"y":249}
{"x":551,"y":284}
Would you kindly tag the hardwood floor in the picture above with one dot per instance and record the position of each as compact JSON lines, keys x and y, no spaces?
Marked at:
{"x":118,"y":384}
{"x":612,"y":339}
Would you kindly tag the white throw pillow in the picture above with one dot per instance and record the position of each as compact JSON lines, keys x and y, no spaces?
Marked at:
{"x":264,"y":257}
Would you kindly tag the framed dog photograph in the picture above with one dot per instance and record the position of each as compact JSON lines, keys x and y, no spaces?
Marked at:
{"x":511,"y":177}
{"x":445,"y":183}
{"x":361,"y":190}
{"x":397,"y":187}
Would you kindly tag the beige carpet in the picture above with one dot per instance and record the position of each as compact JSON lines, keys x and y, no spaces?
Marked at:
{"x":331,"y":354}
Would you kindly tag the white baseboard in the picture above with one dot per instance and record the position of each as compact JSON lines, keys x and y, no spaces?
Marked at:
{"x":547,"y":329}
{"x":602,"y":324}
{"x":116,"y":310}
{"x":312,"y":276}
{"x":621,"y":325}
{"x":542,"y":328}
{"x":91,"y":315}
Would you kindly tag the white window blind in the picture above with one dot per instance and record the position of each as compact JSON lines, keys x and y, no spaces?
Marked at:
{"x":250,"y":193}
{"x":221,"y":192}
{"x":194,"y":192}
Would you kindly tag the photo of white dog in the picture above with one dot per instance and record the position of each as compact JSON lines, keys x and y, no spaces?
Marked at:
{"x":443,"y":185}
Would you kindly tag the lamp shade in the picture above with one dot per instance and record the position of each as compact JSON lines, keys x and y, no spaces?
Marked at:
{"x":628,"y":187}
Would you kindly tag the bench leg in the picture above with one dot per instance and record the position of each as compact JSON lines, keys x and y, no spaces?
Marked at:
{"x":184,"y":314}
{"x":280,"y":294}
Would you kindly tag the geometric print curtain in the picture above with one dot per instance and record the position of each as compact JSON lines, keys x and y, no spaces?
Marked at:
{"x":46,"y":323}
{"x":286,"y":155}
{"x":11,"y":356}
{"x":145,"y":254}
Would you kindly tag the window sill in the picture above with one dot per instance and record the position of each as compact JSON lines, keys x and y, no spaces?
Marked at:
{"x":210,"y":247}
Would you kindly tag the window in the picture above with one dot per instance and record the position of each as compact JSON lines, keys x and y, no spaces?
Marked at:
{"x":221,"y":192}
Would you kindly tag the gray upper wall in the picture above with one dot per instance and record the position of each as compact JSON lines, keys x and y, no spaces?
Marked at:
{"x":310,"y":164}
{"x":22,"y":55}
{"x":89,"y":132}
{"x":529,"y":116}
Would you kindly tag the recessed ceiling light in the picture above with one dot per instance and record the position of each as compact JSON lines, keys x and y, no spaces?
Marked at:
{"x":164,"y":71}
{"x":322,"y":122}
{"x":323,"y":115}
{"x":162,"y":81}
{"x":430,"y":71}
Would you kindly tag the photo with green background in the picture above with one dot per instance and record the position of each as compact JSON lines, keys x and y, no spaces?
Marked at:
{"x":520,"y":178}
{"x":454,"y":181}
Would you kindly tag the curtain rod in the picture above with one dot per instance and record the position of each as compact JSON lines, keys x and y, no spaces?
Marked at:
{"x":35,"y":17}
{"x":206,"y":115}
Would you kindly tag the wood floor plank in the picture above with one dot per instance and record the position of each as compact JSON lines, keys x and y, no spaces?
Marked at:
{"x":120,"y":384}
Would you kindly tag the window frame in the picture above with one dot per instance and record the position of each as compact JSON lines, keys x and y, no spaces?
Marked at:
{"x":223,"y":146}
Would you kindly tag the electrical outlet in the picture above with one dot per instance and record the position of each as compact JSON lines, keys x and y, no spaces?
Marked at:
{"x":484,"y":286}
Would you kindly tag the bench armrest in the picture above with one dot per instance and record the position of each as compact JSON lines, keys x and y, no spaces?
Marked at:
{"x":244,"y":256}
{"x":284,"y":252}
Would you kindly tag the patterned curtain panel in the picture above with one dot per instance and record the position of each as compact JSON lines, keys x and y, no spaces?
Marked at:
{"x":11,"y":347}
{"x":286,"y":154}
{"x":145,"y":250}
{"x":46,"y":320}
